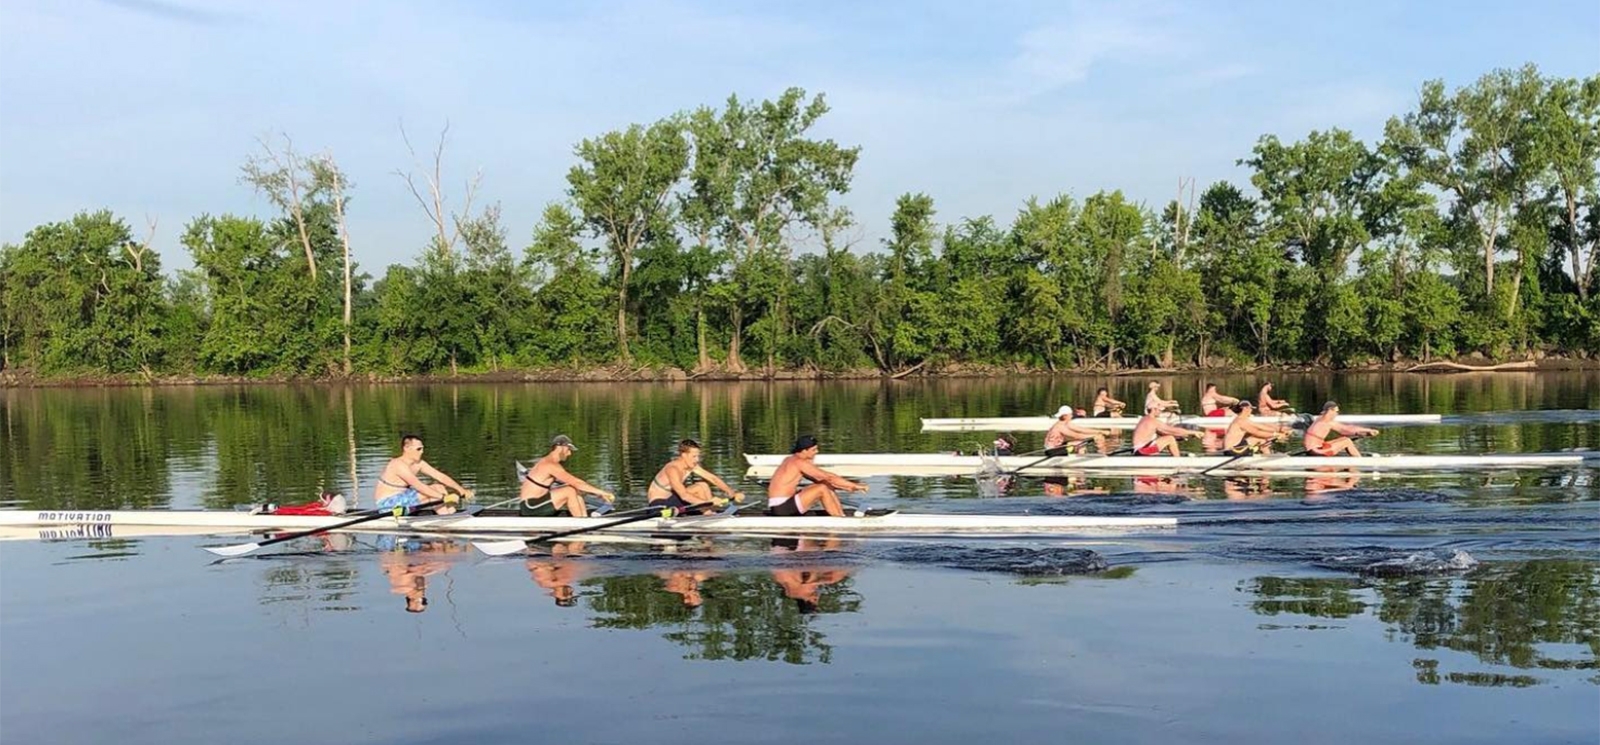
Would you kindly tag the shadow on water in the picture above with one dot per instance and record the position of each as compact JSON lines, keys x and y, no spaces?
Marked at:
{"x":1530,"y":615}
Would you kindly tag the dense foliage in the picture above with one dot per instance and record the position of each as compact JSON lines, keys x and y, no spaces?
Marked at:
{"x":713,"y":239}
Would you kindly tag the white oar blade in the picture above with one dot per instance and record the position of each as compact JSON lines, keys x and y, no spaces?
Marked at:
{"x":501,"y":548}
{"x":238,"y":550}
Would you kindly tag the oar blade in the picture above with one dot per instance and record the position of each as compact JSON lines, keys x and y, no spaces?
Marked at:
{"x":236,"y":550}
{"x":501,"y":548}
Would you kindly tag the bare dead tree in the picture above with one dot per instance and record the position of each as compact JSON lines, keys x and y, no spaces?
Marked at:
{"x":446,"y":224}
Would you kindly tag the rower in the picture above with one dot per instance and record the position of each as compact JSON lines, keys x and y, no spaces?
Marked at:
{"x":399,"y":486}
{"x":1005,"y":444}
{"x":1151,"y":436}
{"x":1246,"y":435}
{"x":1213,"y":403}
{"x":548,"y":478}
{"x":1105,"y":405}
{"x":1152,"y":397}
{"x":1066,"y":437}
{"x":670,"y":488}
{"x":785,"y":498}
{"x":1266,"y":404}
{"x":1317,"y":442}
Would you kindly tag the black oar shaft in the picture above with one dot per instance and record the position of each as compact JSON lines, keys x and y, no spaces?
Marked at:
{"x":336,"y":526}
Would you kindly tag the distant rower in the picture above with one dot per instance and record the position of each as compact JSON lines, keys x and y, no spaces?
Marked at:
{"x":1266,"y":404}
{"x":1246,"y":435}
{"x":785,"y":498}
{"x":1152,"y":398}
{"x":1105,"y":405}
{"x":1213,"y":403}
{"x":670,"y":488}
{"x":399,"y":485}
{"x":1066,"y":436}
{"x":1317,"y":442}
{"x":549,"y":479}
{"x":1152,"y":436}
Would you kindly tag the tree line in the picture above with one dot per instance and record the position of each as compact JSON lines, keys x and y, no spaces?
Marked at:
{"x":713,"y":240}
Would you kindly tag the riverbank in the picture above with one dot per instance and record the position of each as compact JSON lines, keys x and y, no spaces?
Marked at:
{"x":664,"y":374}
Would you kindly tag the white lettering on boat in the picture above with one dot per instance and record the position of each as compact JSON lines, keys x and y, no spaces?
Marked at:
{"x":100,"y":530}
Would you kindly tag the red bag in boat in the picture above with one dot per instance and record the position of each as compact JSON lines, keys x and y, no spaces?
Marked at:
{"x":327,"y":504}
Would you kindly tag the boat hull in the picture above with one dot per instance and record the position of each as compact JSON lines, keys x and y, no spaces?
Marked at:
{"x":1043,"y":423}
{"x":87,"y":522}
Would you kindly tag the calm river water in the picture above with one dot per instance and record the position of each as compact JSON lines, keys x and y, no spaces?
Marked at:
{"x":1458,"y":608}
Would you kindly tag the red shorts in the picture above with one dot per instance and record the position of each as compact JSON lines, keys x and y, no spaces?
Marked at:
{"x":1217,"y":412}
{"x":1324,"y":449}
{"x":1150,"y":449}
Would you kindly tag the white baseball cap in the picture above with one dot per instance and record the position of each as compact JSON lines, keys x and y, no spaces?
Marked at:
{"x":1063,"y":411}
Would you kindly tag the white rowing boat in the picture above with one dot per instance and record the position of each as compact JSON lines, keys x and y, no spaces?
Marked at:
{"x":921,"y":464}
{"x":1043,"y":423}
{"x":92,"y":522}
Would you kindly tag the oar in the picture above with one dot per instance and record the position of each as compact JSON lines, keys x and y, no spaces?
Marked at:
{"x":245,"y":548}
{"x":503,"y":548}
{"x":1019,"y":469}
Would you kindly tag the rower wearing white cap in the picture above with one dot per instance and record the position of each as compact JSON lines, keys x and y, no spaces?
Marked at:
{"x":1066,"y":436}
{"x":548,"y":478}
{"x":1153,"y":398}
{"x":1153,"y":436}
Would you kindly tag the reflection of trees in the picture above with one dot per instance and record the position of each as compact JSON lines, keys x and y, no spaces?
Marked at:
{"x":1502,"y":614}
{"x":744,"y":616}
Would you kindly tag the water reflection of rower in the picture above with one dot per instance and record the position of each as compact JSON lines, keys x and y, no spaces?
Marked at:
{"x":558,"y":572}
{"x":804,"y":586}
{"x":686,"y":585}
{"x":409,"y":562}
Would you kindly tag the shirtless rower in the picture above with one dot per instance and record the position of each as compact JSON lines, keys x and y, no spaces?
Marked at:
{"x":1317,"y":442}
{"x":1213,"y":403}
{"x":399,"y":486}
{"x":670,"y":489}
{"x":1152,"y":397}
{"x":1246,"y":435}
{"x":1105,"y":405}
{"x":785,"y":498}
{"x":1153,"y":436}
{"x":549,"y":489}
{"x":1266,"y":404}
{"x":1067,"y":436}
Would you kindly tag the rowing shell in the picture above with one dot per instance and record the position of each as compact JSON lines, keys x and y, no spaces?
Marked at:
{"x":921,"y":464}
{"x":88,"y":521}
{"x":1043,"y":423}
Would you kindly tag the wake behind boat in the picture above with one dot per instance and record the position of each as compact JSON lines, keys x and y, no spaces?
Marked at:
{"x":96,"y":522}
{"x":1043,"y":423}
{"x":919,"y":464}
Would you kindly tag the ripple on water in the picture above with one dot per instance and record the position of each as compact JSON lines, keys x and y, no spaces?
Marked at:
{"x":1019,"y":560}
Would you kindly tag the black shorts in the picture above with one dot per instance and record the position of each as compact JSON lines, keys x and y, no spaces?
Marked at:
{"x":541,"y":509}
{"x":787,"y":508}
{"x":673,"y":501}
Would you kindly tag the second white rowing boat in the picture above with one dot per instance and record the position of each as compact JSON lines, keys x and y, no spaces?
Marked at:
{"x":1043,"y":423}
{"x":918,"y":464}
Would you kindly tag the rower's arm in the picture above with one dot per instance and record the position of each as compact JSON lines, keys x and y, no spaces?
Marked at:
{"x":424,"y":488}
{"x":820,"y":476}
{"x":1167,"y":429}
{"x":564,"y":476}
{"x":680,"y":488}
{"x":737,"y":496}
{"x":1226,"y":400}
{"x":1351,"y":429}
{"x":443,"y":478}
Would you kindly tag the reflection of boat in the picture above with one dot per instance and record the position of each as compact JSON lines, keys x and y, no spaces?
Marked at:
{"x":932,"y":464}
{"x":93,"y":522}
{"x":1042,"y":423}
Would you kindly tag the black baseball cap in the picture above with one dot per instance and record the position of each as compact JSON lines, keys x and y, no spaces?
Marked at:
{"x":1330,"y":406}
{"x":804,"y":442}
{"x":1242,"y":405}
{"x":563,"y":441}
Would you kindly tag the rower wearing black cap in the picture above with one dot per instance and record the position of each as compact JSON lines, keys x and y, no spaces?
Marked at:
{"x":670,"y":488}
{"x":1317,"y":442}
{"x":785,"y":498}
{"x":549,"y":489}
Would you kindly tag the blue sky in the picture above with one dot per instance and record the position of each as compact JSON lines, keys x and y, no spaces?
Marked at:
{"x":148,"y":107}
